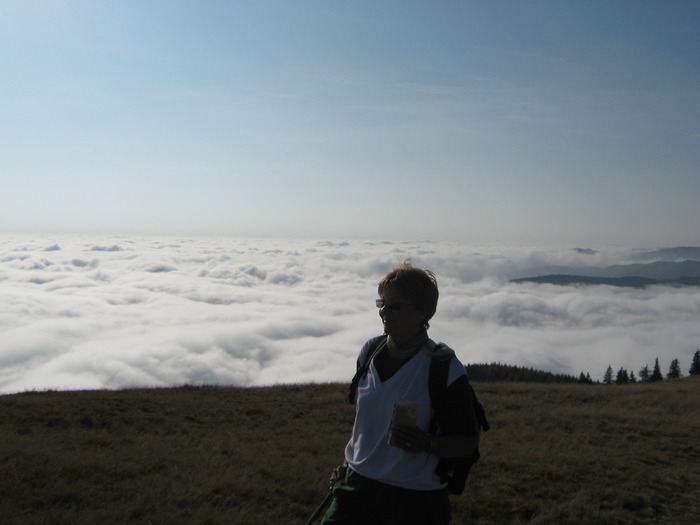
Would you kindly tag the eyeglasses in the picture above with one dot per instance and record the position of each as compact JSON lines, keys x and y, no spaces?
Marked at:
{"x":395,"y":307}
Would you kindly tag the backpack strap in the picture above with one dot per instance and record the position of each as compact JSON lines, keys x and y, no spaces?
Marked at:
{"x":438,"y":392}
{"x":437,"y":387}
{"x":437,"y":384}
{"x":454,"y":471}
{"x":375,"y":346}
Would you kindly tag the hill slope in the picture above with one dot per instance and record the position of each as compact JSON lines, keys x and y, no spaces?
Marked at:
{"x":556,"y":454}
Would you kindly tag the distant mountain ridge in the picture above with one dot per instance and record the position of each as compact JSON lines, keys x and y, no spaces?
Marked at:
{"x":677,"y":254}
{"x":658,"y":271}
{"x":679,"y":266}
{"x":626,"y":282}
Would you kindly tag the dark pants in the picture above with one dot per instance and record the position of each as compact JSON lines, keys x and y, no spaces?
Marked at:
{"x":358,"y":500}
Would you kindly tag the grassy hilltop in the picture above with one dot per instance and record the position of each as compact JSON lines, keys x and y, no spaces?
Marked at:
{"x":556,"y":454}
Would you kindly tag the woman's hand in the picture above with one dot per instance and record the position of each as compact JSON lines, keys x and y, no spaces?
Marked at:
{"x":337,"y":474}
{"x":411,"y":439}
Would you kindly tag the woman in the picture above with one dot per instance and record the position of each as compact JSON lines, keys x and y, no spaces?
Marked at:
{"x":391,"y":468}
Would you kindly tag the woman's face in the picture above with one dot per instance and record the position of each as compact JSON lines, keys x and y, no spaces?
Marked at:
{"x":401,"y":319}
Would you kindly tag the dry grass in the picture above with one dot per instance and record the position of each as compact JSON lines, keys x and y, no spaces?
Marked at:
{"x":557,"y":454}
{"x":590,"y":454}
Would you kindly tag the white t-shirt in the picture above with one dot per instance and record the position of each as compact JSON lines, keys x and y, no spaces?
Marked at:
{"x":368,"y":452}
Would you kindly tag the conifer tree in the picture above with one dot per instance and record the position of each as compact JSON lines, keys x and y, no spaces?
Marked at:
{"x":622,"y":377}
{"x":633,"y":379}
{"x":695,"y":366}
{"x":674,"y":371}
{"x":656,"y":374}
{"x":585,"y":378}
{"x":607,"y":378}
{"x":644,"y":374}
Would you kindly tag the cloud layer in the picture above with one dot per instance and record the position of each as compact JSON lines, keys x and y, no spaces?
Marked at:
{"x":115,"y":312}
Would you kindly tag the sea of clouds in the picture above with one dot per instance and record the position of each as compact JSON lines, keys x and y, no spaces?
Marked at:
{"x":90,"y":312}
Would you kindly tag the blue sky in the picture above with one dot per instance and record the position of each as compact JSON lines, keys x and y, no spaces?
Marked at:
{"x":537,"y":121}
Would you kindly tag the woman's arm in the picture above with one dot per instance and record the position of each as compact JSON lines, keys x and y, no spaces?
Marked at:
{"x":453,"y":446}
{"x":414,"y":440}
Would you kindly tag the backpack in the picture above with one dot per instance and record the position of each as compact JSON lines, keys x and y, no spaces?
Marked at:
{"x":453,"y":471}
